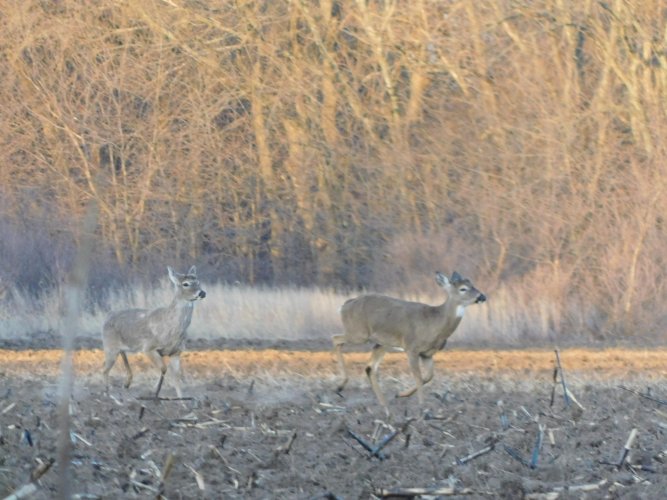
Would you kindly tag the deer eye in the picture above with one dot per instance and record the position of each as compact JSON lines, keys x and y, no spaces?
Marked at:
{"x":463,"y":289}
{"x":186,"y":284}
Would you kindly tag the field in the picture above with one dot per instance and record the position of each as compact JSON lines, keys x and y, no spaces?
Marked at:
{"x":267,"y":424}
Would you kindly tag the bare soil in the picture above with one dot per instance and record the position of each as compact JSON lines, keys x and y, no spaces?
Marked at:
{"x":268,"y":424}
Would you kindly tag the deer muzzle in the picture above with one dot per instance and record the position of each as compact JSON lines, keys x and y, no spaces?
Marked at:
{"x":481,"y":298}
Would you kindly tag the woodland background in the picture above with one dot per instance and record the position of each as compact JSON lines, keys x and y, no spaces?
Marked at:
{"x":344,"y":145}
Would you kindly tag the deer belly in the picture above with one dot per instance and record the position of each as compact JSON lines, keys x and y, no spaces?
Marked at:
{"x":171,"y":351}
{"x":387,"y":339}
{"x":171,"y":344}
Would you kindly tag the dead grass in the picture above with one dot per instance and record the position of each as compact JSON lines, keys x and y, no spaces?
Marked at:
{"x":284,"y":313}
{"x":612,"y":363}
{"x":238,"y":312}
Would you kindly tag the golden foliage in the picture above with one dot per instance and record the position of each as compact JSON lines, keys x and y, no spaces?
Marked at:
{"x":324,"y":141}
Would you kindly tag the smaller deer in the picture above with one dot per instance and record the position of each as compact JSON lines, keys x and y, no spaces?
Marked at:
{"x":419,"y":329}
{"x":158,"y":333}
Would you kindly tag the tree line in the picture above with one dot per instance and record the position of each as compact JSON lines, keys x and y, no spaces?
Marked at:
{"x":343,"y":143}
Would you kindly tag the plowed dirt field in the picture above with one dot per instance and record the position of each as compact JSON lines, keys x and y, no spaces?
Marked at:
{"x":269,"y":424}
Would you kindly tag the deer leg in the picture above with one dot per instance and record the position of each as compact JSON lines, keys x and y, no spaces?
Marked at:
{"x":427,"y":363}
{"x":109,"y":360}
{"x":413,"y":360}
{"x":338,"y":341}
{"x":158,"y":361}
{"x":128,"y":380}
{"x":372,"y":369}
{"x":175,"y":364}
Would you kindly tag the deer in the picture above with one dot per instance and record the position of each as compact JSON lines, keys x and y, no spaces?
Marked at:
{"x":418,"y":329}
{"x":158,"y":333}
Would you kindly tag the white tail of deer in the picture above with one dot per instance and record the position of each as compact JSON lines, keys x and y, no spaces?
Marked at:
{"x":158,"y":333}
{"x":419,"y":329}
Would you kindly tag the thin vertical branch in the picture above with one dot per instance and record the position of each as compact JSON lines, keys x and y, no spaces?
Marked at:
{"x":562,"y":379}
{"x":74,"y":290}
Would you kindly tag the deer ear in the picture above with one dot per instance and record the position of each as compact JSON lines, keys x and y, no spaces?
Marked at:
{"x":193,"y":271}
{"x":441,"y":279}
{"x":456,"y":276}
{"x":172,"y":275}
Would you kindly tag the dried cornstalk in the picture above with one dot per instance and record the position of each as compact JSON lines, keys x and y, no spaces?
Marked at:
{"x":562,"y":378}
{"x":285,"y":448}
{"x":567,"y":394}
{"x":168,"y":465}
{"x":646,"y":396}
{"x":538,"y":446}
{"x":626,"y":448}
{"x":153,"y":398}
{"x":581,"y":487}
{"x":29,"y":489}
{"x":367,"y":446}
{"x":198,"y":477}
{"x":516,"y":455}
{"x":475,"y":454}
{"x":414,"y":492}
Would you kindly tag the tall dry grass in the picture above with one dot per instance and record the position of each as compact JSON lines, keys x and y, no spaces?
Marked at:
{"x":228,"y":312}
{"x":235,"y":312}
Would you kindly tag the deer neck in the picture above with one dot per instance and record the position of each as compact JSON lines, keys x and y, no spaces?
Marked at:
{"x":452,"y":313}
{"x":182,"y":309}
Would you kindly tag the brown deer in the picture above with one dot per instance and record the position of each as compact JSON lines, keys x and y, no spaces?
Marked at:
{"x":419,"y":329}
{"x":158,"y":333}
